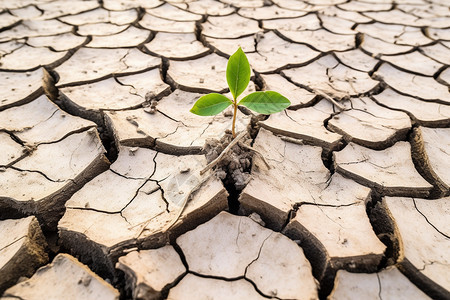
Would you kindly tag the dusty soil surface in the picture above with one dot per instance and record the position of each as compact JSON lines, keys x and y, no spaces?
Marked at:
{"x":103,"y":188}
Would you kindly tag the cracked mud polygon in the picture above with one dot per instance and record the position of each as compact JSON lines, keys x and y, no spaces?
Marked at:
{"x":103,"y":188}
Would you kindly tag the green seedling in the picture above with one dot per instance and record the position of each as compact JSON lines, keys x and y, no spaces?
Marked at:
{"x":238,"y":77}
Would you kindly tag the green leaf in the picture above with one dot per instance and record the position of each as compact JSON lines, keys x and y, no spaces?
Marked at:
{"x":210,"y":105}
{"x":268,"y":102}
{"x":238,"y":73}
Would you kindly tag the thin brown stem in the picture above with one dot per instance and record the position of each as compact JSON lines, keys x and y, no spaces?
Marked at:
{"x":233,"y":131}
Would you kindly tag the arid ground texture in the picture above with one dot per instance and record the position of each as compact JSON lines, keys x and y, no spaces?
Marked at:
{"x":105,"y":191}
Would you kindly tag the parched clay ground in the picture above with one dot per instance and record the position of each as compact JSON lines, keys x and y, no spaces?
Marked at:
{"x":345,"y":195}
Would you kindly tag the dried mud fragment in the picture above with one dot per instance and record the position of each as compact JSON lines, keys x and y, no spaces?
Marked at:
{"x":22,"y":250}
{"x":127,"y":4}
{"x":131,"y":37}
{"x":10,"y":150}
{"x":205,"y":74}
{"x":397,"y":16}
{"x":16,"y":4}
{"x":337,"y":25}
{"x":296,"y":176}
{"x":413,"y":85}
{"x":44,"y":122}
{"x":34,"y":28}
{"x":19,"y":88}
{"x":424,"y":242}
{"x":297,"y":5}
{"x":36,"y":185}
{"x":193,"y":287}
{"x":64,"y":278}
{"x":60,"y":42}
{"x":148,"y":272}
{"x":357,"y":59}
{"x":431,"y":154}
{"x":206,"y":7}
{"x":118,"y":93}
{"x":298,"y":96}
{"x":161,"y":196}
{"x":445,"y":76}
{"x":219,"y":27}
{"x":165,"y":25}
{"x":343,"y":239}
{"x":269,"y":12}
{"x":377,"y":47}
{"x":229,"y":46}
{"x":425,"y":113}
{"x":414,"y":62}
{"x":446,"y":44}
{"x":305,"y":124}
{"x":321,"y":39}
{"x":171,"y":12}
{"x":7,"y":20}
{"x":328,"y":76}
{"x":100,"y":29}
{"x":29,"y":58}
{"x":386,"y":284}
{"x":244,"y":3}
{"x":345,"y":14}
{"x":100,"y":15}
{"x":55,"y":9}
{"x":29,"y":12}
{"x":73,"y":154}
{"x":361,"y":6}
{"x":183,"y":132}
{"x":439,"y":2}
{"x":437,"y":52}
{"x":390,"y":172}
{"x":278,"y":256}
{"x":395,"y":34}
{"x":324,"y":3}
{"x":320,"y":4}
{"x":424,"y":11}
{"x":308,"y":22}
{"x":370,"y":125}
{"x":188,"y":47}
{"x":88,"y":65}
{"x":274,"y":53}
{"x":215,"y":249}
{"x":7,"y":48}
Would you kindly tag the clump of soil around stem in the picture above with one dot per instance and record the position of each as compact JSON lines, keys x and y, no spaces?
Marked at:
{"x":234,"y":168}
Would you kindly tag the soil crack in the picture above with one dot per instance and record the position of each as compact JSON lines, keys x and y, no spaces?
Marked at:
{"x":233,"y":168}
{"x":428,"y":221}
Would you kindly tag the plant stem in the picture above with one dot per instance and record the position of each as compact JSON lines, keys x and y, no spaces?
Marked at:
{"x":234,"y":119}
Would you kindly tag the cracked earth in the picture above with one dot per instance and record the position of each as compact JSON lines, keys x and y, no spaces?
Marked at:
{"x":103,"y":188}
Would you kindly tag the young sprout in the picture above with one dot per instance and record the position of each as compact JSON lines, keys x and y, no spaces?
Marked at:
{"x":238,"y":77}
